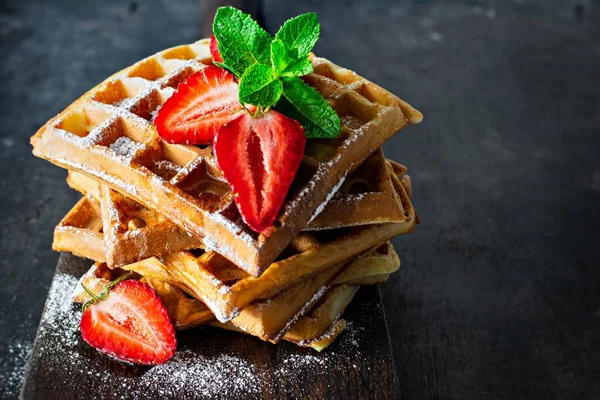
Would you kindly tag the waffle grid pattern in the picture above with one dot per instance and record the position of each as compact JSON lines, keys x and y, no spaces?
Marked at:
{"x":108,"y":135}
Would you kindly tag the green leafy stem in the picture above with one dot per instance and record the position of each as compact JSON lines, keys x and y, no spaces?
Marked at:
{"x":268,"y":69}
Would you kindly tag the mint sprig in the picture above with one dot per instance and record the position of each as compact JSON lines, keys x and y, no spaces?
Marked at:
{"x":268,"y":69}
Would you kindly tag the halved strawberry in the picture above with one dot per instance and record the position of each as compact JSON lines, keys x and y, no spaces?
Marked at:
{"x":201,"y":104}
{"x":214,"y":49}
{"x":259,"y":157}
{"x":131,"y":324}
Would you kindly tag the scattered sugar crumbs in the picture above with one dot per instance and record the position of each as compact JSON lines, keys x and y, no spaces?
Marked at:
{"x":13,"y":367}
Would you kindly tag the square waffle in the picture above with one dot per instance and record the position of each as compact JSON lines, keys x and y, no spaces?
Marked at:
{"x":134,"y":232}
{"x":282,"y":316}
{"x":225,"y":288}
{"x":108,"y":134}
{"x":318,"y":329}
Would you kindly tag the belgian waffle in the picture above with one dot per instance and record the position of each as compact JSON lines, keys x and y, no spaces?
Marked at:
{"x":282,"y":316}
{"x":107,"y":134}
{"x":134,"y":232}
{"x":317,"y":329}
{"x":225,"y":288}
{"x":272,"y":318}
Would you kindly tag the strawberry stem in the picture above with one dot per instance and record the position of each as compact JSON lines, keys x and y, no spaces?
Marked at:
{"x":260,"y":111}
{"x":104,"y":294}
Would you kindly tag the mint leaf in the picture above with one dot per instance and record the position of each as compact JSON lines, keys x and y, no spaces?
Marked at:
{"x":242,"y":42}
{"x":280,"y":59}
{"x":298,"y":68}
{"x":304,"y":104}
{"x":300,"y":34}
{"x":285,"y":65}
{"x":260,"y":86}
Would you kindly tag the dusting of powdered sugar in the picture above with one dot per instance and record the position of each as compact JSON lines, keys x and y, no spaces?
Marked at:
{"x":225,"y":250}
{"x":315,"y":297}
{"x":126,"y":187}
{"x":190,"y":375}
{"x":18,"y":351}
{"x":332,"y":193}
{"x":126,"y":148}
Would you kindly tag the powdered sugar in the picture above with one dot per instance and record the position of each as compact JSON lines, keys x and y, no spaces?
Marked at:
{"x":126,"y":148}
{"x":126,"y":187}
{"x":191,"y":375}
{"x":15,"y":363}
{"x":332,"y":193}
{"x":315,"y":297}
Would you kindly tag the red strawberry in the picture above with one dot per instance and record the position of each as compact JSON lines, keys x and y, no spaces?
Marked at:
{"x":201,"y":104}
{"x":214,"y":49}
{"x":130,"y":323}
{"x":259,"y":157}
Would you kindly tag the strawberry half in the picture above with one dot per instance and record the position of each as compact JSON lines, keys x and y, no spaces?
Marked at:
{"x":201,"y":104}
{"x":131,"y":324}
{"x":214,"y":49}
{"x":259,"y":157}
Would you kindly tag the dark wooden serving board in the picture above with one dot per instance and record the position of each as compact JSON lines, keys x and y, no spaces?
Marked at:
{"x":211,"y":363}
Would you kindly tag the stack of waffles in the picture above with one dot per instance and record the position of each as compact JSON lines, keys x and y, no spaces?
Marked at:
{"x":164,"y":212}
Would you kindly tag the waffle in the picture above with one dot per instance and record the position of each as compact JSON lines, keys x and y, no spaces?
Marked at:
{"x":282,"y":316}
{"x":367,"y":196}
{"x":272,"y":318}
{"x":225,"y":288}
{"x":107,"y":134}
{"x":317,"y":329}
{"x":134,"y":233}
{"x":80,"y":231}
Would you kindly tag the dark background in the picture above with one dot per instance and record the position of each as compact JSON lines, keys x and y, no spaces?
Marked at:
{"x":499,"y":292}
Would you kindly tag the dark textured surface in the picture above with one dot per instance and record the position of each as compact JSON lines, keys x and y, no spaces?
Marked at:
{"x":238,"y":366}
{"x":498,"y":294}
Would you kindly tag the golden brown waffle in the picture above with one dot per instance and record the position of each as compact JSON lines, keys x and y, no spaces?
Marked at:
{"x":108,"y":134}
{"x":317,"y":329}
{"x":225,"y":288}
{"x":134,"y":232}
{"x":367,"y":196}
{"x":282,"y":316}
{"x":272,"y":318}
{"x":129,"y":232}
{"x":80,"y":231}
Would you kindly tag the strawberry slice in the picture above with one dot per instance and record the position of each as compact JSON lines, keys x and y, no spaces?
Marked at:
{"x":259,"y":157}
{"x":130,"y":323}
{"x":214,"y":49}
{"x":201,"y":104}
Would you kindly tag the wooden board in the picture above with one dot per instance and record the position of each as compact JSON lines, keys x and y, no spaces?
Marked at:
{"x":210,"y":363}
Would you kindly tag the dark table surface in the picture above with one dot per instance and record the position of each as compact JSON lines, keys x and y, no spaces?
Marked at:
{"x":499,"y":292}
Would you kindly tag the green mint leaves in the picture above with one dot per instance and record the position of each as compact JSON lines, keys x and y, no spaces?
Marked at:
{"x":242,"y":42}
{"x":285,"y":64}
{"x":300,"y":34}
{"x":260,"y":86}
{"x":304,"y":104}
{"x":268,"y":69}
